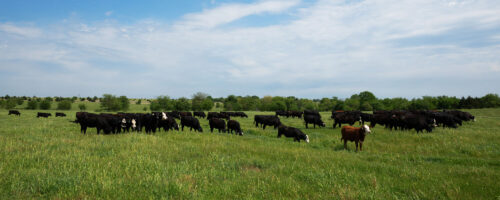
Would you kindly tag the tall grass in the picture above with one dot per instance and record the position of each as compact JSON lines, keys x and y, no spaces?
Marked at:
{"x":49,"y":158}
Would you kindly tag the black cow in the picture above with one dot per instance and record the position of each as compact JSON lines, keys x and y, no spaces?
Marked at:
{"x":115,"y":122}
{"x":313,"y":119}
{"x":267,"y":120}
{"x":59,"y":114}
{"x":282,"y":113}
{"x":293,"y":114}
{"x":241,"y":114}
{"x":234,"y":125}
{"x":185,"y":114}
{"x":312,"y":112}
{"x":296,"y":133}
{"x":417,"y":122}
{"x":174,"y":114}
{"x":40,"y":114}
{"x":464,"y":116}
{"x":199,"y":114}
{"x":168,"y":124}
{"x":346,"y":117}
{"x":14,"y":112}
{"x":92,"y":120}
{"x":218,"y":124}
{"x":191,"y":122}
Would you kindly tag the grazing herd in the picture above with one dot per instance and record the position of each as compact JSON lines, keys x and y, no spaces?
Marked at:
{"x":420,"y":120}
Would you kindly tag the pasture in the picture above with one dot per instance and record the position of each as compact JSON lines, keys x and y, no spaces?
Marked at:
{"x":50,"y":158}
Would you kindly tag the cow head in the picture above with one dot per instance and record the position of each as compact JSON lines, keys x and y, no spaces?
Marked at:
{"x":366,"y":129}
{"x":133,"y":123}
{"x":163,"y":116}
{"x":307,"y":138}
{"x":124,"y":123}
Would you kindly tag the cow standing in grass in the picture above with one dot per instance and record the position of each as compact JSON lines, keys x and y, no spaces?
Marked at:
{"x":296,"y":133}
{"x":40,"y":114}
{"x":234,"y":125}
{"x":354,"y":134}
{"x":14,"y":112}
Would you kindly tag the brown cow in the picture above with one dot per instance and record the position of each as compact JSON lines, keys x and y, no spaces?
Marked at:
{"x":354,"y":134}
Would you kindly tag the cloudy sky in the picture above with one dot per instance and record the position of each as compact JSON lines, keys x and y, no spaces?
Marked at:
{"x":303,"y":48}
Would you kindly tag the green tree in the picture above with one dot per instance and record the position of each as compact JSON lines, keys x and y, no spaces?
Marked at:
{"x":45,"y":104}
{"x":32,"y":105}
{"x":64,"y":105}
{"x":366,"y":106}
{"x":10,"y":103}
{"x":207,"y":104}
{"x":162,"y":103}
{"x":124,"y":103}
{"x":490,"y":101}
{"x":182,"y":104}
{"x":352,"y":103}
{"x":266,"y":103}
{"x":110,"y":103}
{"x":231,"y":103}
{"x":325,"y":104}
{"x":19,"y":101}
{"x":197,"y":101}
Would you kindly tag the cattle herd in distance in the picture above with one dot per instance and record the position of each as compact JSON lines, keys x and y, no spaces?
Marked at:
{"x":222,"y":121}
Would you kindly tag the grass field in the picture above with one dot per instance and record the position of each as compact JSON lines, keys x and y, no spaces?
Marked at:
{"x":49,"y":158}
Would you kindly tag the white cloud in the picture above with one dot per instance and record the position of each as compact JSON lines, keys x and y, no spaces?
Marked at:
{"x":108,"y":13}
{"x":331,"y":48}
{"x":231,"y":12}
{"x":23,"y":31}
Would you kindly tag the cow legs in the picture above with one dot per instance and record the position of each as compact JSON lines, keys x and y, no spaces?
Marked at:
{"x":306,"y":125}
{"x":345,"y":144}
{"x":356,"y":145}
{"x":360,"y":146}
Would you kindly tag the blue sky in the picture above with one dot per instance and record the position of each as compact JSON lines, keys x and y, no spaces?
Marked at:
{"x":303,"y":48}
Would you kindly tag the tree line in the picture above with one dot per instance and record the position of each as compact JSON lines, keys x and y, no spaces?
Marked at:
{"x":365,"y":101}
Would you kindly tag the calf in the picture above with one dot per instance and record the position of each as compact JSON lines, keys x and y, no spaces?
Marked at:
{"x":296,"y":133}
{"x":58,"y":114}
{"x":354,"y":134}
{"x":190,"y":122}
{"x":313,"y":119}
{"x":40,"y":114}
{"x":14,"y":112}
{"x":234,"y":125}
{"x":218,"y":124}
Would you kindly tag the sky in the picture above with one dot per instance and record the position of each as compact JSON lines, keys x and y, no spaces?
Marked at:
{"x":302,"y":48}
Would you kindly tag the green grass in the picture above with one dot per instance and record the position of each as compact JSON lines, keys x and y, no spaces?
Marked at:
{"x":49,"y":158}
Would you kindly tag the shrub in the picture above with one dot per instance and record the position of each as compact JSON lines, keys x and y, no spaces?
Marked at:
{"x":45,"y":104}
{"x":82,"y":107}
{"x":32,"y":105}
{"x":10,"y":103}
{"x":64,"y":105}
